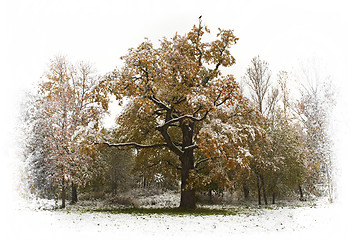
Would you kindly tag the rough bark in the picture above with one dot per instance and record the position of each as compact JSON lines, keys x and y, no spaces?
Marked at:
{"x":188,"y":199}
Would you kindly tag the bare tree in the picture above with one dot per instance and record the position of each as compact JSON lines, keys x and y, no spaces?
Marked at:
{"x":283,"y":77}
{"x":315,"y":107}
{"x":257,"y":78}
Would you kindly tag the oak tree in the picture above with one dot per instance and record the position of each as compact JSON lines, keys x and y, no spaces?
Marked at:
{"x":180,"y":102}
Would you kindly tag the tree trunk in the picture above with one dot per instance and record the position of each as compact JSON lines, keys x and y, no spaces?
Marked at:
{"x":63,"y":194}
{"x":258,"y":189}
{"x":73,"y":194}
{"x":274,"y":189}
{"x":188,"y":199}
{"x":273,"y":197}
{"x":264,"y":189}
{"x":114,"y":187}
{"x":114,"y":182}
{"x":144,"y":183}
{"x":301,"y":193}
{"x":245,"y":191}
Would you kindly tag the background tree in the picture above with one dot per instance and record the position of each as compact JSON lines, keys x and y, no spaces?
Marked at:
{"x":227,"y":142}
{"x":71,"y":104}
{"x":314,"y":108}
{"x":278,"y":161}
{"x":258,"y":77}
{"x":285,"y":142}
{"x":286,"y":155}
{"x":38,"y":171}
{"x":115,"y":175}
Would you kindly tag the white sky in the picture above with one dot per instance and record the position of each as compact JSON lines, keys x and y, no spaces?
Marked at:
{"x":100,"y":31}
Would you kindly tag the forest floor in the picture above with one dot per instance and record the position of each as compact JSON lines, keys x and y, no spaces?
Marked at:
{"x":155,"y":217}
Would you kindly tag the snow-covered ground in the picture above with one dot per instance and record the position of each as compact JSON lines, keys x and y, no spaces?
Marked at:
{"x":319,"y":220}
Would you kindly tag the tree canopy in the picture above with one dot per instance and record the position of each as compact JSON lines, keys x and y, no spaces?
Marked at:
{"x":180,"y":100}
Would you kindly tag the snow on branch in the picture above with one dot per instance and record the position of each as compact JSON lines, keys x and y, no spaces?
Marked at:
{"x":133,"y":144}
{"x":182,"y":118}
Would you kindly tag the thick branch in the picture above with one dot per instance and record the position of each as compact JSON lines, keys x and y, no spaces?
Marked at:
{"x":169,"y":141}
{"x":159,"y":112}
{"x":182,"y":118}
{"x":194,"y":146}
{"x":133,"y":144}
{"x":159,"y":103}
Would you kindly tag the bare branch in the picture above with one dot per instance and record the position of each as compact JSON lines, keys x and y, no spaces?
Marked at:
{"x":236,"y":114}
{"x":201,"y":161}
{"x":219,"y":95}
{"x":180,"y":100}
{"x":258,"y":79}
{"x":173,"y":165}
{"x":223,"y":101}
{"x":152,"y":165}
{"x":197,"y":110}
{"x":204,"y":160}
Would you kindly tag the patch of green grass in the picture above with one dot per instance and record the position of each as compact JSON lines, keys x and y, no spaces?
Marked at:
{"x":170,"y":211}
